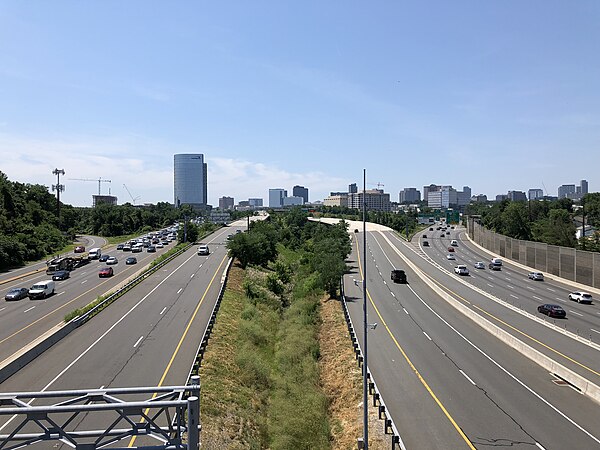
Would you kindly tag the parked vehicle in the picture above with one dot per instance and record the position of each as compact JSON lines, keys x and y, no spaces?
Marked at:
{"x":95,"y":253}
{"x":16,"y":294}
{"x":581,"y":297}
{"x":552,"y":310}
{"x":398,"y":276}
{"x":60,"y":275}
{"x":41,"y":289}
{"x":536,"y":276}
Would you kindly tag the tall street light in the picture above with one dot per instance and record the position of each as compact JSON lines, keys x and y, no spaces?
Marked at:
{"x":58,"y":188}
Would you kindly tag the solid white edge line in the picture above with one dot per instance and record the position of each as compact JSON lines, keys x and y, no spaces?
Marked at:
{"x":427,"y":336}
{"x":497,"y":364}
{"x":540,"y":446}
{"x":405,"y":310}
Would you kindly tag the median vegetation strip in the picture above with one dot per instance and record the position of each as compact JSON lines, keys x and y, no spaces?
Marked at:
{"x":263,"y":375}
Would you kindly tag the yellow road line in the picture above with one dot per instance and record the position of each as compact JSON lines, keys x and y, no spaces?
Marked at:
{"x":185,"y":332}
{"x":516,"y":330}
{"x":412,"y":366}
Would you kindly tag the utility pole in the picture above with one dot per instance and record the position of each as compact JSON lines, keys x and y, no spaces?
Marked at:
{"x":58,"y":188}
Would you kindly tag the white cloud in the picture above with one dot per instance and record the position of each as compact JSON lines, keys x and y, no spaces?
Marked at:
{"x":146,"y":169}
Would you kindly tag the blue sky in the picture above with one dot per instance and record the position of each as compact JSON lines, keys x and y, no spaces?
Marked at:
{"x":494,"y":95}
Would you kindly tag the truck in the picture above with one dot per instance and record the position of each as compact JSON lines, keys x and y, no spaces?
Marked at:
{"x":57,"y":264}
{"x":95,"y":253}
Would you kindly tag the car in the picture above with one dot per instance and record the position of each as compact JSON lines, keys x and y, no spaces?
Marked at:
{"x":238,"y":231}
{"x":103,"y":258}
{"x":461,"y":270}
{"x":431,"y":229}
{"x":60,"y":275}
{"x":451,"y":249}
{"x":425,"y":243}
{"x":41,"y":289}
{"x":120,"y":246}
{"x":536,"y":276}
{"x":106,"y":272}
{"x":450,"y":256}
{"x":493,"y":266}
{"x":127,"y":248}
{"x":356,"y":230}
{"x":398,"y":276}
{"x":131,"y":260}
{"x":443,"y":235}
{"x":203,"y":249}
{"x":452,"y":227}
{"x":424,"y":236}
{"x":159,"y":245}
{"x":79,"y":249}
{"x":151,"y":249}
{"x":136,"y":249}
{"x":112,"y":260}
{"x":581,"y":297}
{"x":16,"y":294}
{"x":454,"y":243}
{"x":479,"y":265}
{"x":552,"y":310}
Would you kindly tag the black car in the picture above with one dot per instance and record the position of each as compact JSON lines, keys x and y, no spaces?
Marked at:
{"x":120,"y":246}
{"x":16,"y":294}
{"x":552,"y":310}
{"x":398,"y":276}
{"x":425,"y":243}
{"x":431,"y":229}
{"x":424,"y":236}
{"x":103,"y":258}
{"x":151,"y":249}
{"x":131,"y":260}
{"x":60,"y":275}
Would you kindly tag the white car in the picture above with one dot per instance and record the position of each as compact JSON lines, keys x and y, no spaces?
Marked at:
{"x":112,"y":260}
{"x":461,"y":270}
{"x":203,"y":249}
{"x":159,"y":245}
{"x":450,"y":256}
{"x":536,"y":276}
{"x":479,"y":265}
{"x":454,"y":243}
{"x":581,"y":297}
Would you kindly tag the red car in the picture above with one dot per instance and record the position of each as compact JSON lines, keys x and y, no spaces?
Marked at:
{"x":79,"y":249}
{"x":106,"y":272}
{"x":451,"y":249}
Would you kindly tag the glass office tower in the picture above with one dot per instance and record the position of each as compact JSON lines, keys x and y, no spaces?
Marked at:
{"x":190,"y":180}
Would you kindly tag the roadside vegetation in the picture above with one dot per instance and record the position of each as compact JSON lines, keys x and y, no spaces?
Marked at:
{"x":262,"y":380}
{"x":552,"y":222}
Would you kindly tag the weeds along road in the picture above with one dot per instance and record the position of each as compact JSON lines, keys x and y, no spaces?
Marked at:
{"x":149,"y":337}
{"x":446,"y":381}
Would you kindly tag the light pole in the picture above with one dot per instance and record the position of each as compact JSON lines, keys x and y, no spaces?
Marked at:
{"x":365,"y":322}
{"x":58,"y":188}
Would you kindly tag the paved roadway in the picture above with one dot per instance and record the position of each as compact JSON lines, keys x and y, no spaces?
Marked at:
{"x":450,"y":384}
{"x":148,"y":338}
{"x":30,"y":270}
{"x":23,"y":321}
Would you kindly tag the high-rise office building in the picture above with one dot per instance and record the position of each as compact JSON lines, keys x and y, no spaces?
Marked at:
{"x":534,"y":194}
{"x":300,"y":191}
{"x":463,"y":197}
{"x":255,"y":202}
{"x":276,"y":197}
{"x":226,"y":203}
{"x":352,"y":188}
{"x":584,"y":187}
{"x":373,"y":199}
{"x":517,"y":196}
{"x":190,"y":180}
{"x":409,"y":195}
{"x":566,"y":191}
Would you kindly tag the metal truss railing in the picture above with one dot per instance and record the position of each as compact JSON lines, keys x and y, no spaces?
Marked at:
{"x":168,"y":417}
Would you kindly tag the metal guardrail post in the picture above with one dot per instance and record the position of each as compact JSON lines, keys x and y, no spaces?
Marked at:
{"x":193,"y":408}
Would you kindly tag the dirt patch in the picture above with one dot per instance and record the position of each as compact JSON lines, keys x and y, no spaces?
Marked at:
{"x":341,"y":379}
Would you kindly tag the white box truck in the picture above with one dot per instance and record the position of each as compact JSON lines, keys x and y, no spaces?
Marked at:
{"x":95,"y":253}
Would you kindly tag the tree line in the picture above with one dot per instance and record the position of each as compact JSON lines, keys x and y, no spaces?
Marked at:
{"x":31,"y":228}
{"x":551,"y":221}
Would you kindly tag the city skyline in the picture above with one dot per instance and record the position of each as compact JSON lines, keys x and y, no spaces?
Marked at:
{"x":459,"y":94}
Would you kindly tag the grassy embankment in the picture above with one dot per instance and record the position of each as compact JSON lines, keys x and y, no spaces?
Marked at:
{"x":279,"y":371}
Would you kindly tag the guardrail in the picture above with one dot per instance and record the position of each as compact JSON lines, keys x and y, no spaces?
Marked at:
{"x":389,"y":427}
{"x":209,"y":326}
{"x":39,"y":346}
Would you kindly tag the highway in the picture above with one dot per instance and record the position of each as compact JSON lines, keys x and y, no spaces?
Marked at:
{"x":147,"y":338}
{"x":23,"y":321}
{"x":446,"y":381}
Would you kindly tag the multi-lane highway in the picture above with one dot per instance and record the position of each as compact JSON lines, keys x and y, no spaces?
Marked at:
{"x":446,"y":381}
{"x":149,"y":337}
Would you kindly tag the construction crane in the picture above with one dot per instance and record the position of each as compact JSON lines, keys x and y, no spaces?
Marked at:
{"x":132,"y":198}
{"x":99,"y":180}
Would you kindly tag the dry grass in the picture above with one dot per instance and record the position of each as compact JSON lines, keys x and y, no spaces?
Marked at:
{"x":341,"y":379}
